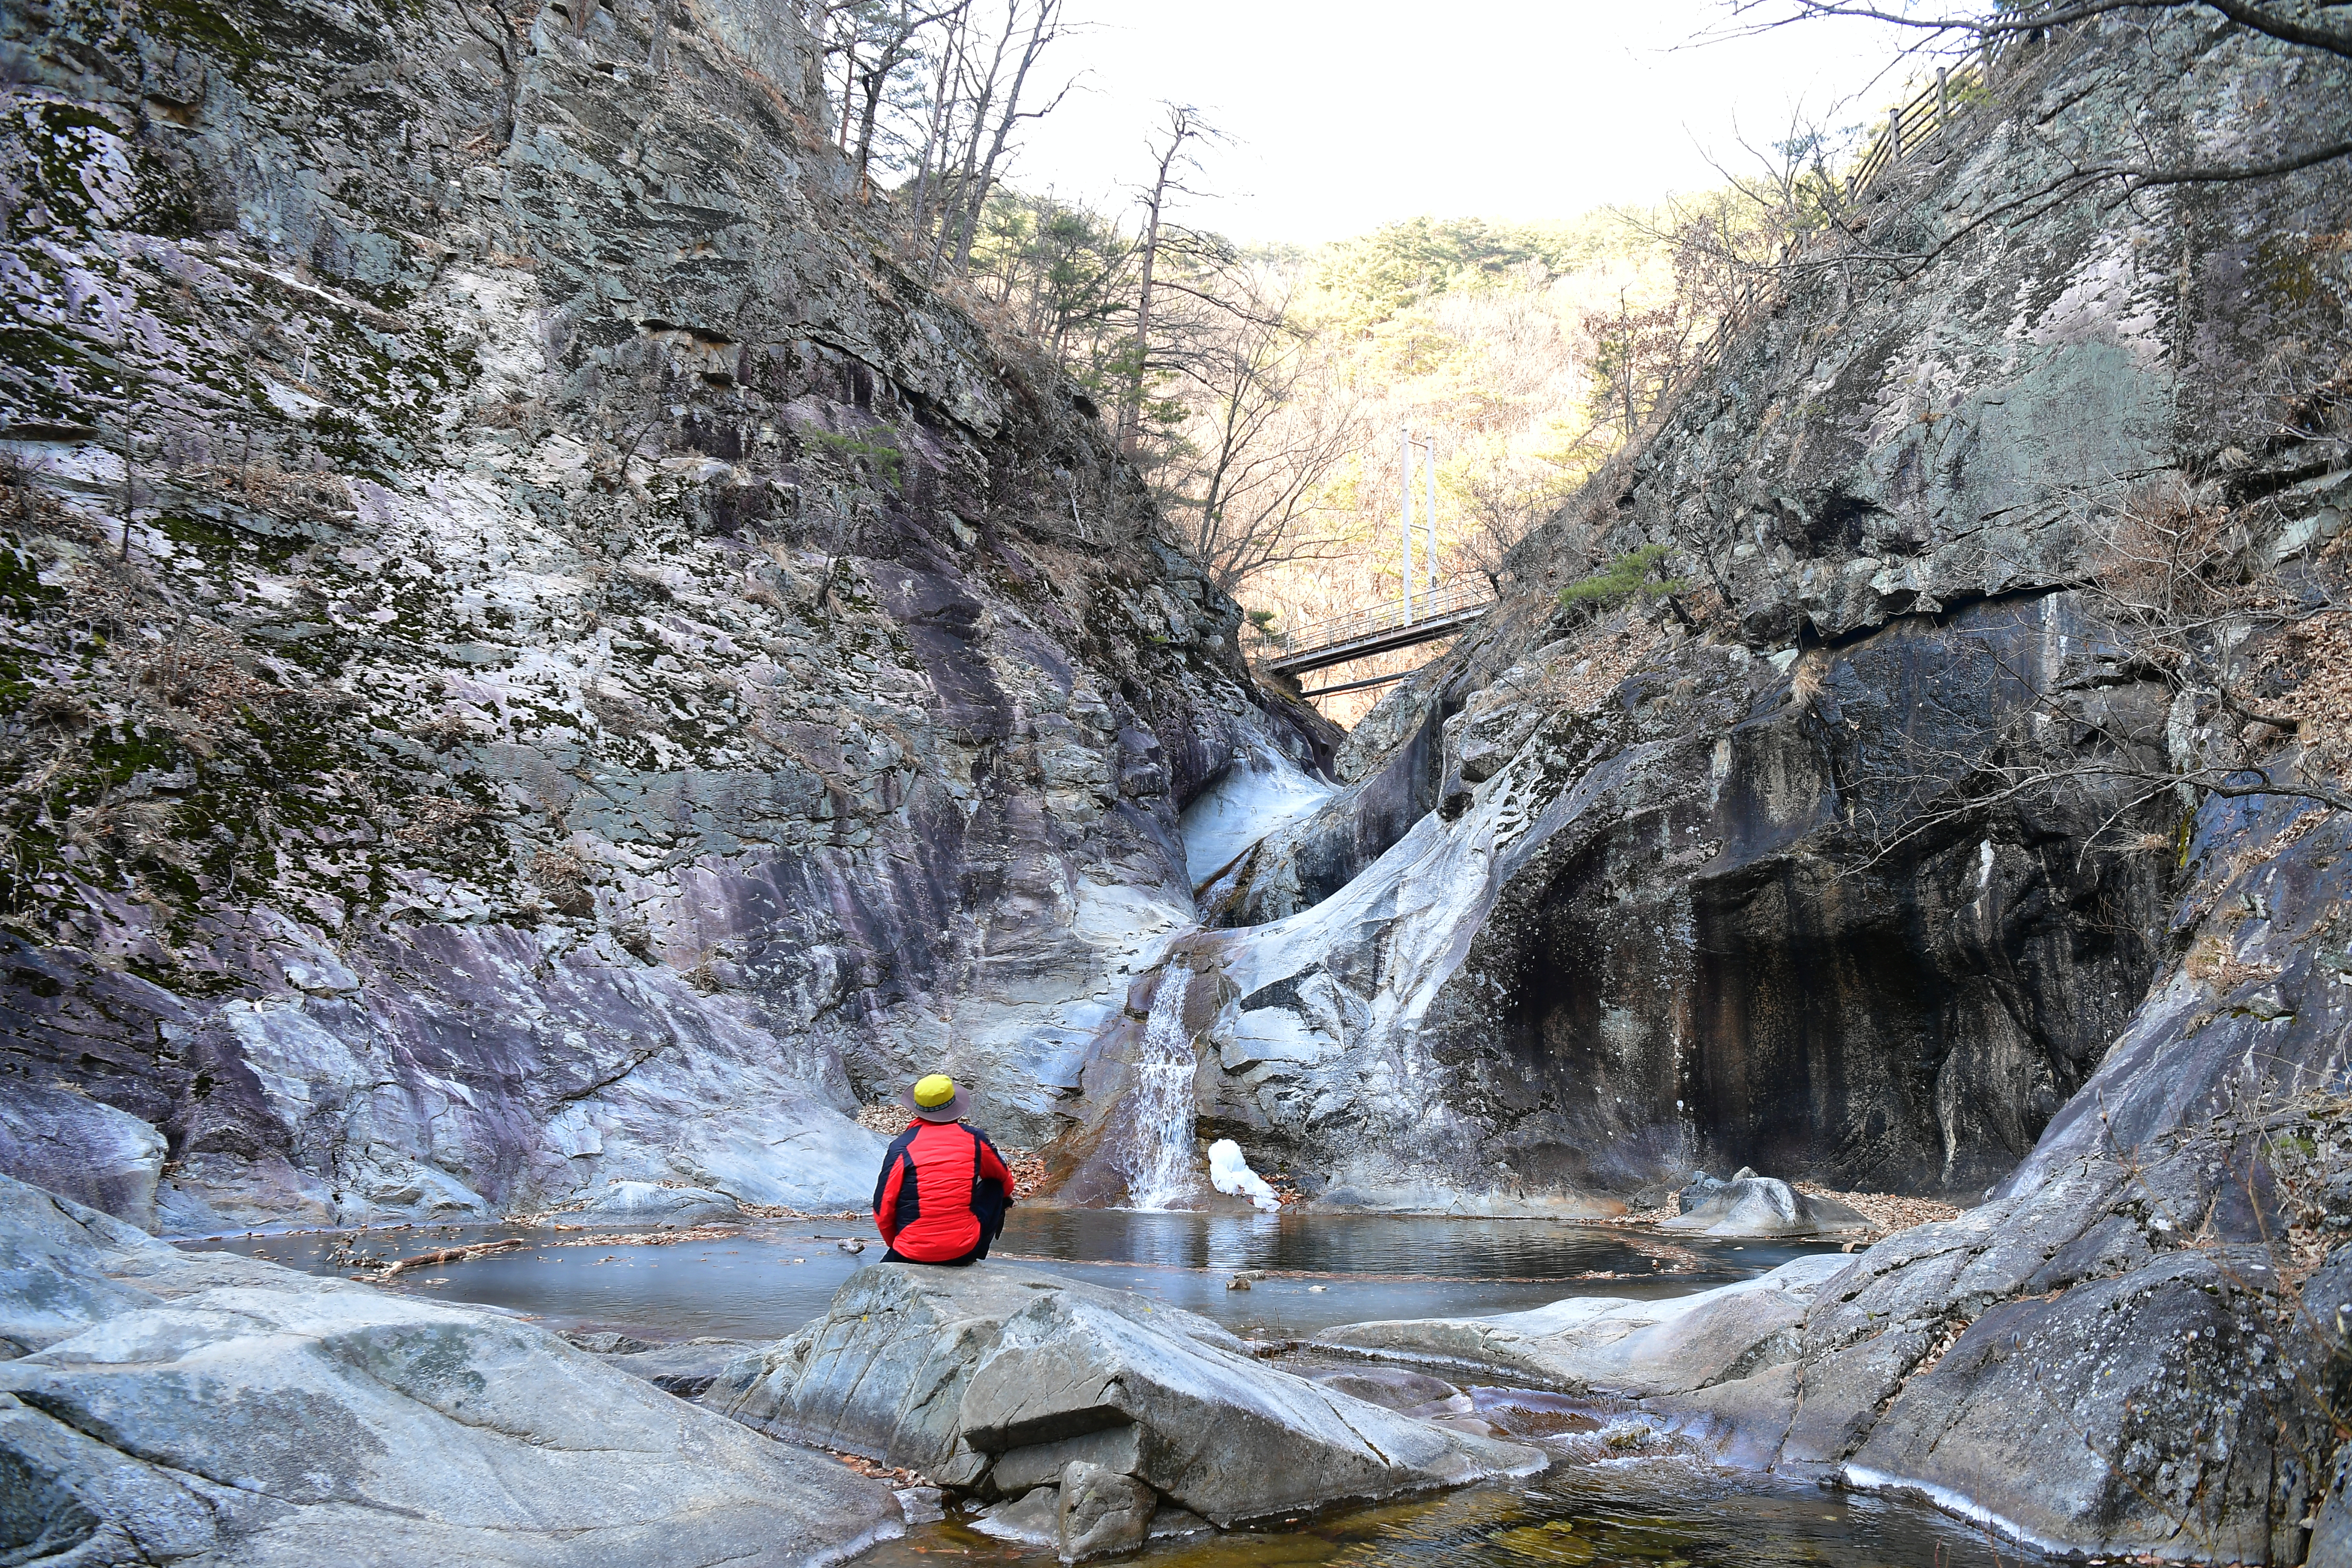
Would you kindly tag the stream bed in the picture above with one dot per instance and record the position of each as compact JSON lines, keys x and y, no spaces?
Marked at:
{"x":1647,"y":1507}
{"x":1648,"y":1511}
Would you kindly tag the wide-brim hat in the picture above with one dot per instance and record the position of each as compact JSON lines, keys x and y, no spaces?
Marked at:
{"x":951,"y":1110}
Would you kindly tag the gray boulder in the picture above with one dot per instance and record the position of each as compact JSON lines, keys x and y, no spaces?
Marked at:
{"x":687,"y":1370}
{"x":1390,"y":1387}
{"x":2028,"y":1414}
{"x":50,"y":1285}
{"x":1102,"y":1513}
{"x":1613,"y":1346}
{"x":995,"y":1379}
{"x":2108,"y":1364}
{"x":1032,"y":1518}
{"x":224,"y":1408}
{"x":650,"y":1203}
{"x":1752,"y":1205}
{"x":83,"y":1148}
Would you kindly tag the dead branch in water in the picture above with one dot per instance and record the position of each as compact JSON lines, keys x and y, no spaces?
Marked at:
{"x":447,"y":1255}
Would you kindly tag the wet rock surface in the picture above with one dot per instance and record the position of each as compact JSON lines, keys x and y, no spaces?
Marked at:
{"x":177,"y":1406}
{"x":994,"y":1380}
{"x":1607,"y":1344}
{"x":685,"y":1370}
{"x":2135,"y":1355}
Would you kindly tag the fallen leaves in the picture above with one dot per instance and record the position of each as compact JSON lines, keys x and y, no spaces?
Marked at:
{"x":1887,"y":1212}
{"x":874,"y":1469}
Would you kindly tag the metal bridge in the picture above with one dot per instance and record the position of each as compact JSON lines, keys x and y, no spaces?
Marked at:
{"x":1323,"y":643}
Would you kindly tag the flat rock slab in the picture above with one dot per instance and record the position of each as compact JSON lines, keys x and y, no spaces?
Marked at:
{"x":250,"y":1415}
{"x":1611,"y":1345}
{"x":973,"y":1374}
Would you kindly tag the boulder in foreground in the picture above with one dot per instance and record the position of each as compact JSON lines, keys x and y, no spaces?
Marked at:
{"x":176,"y":1405}
{"x":1000,"y":1381}
{"x":2127,"y":1359}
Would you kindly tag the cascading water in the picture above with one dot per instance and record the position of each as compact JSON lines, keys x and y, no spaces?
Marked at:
{"x":1158,"y":1160}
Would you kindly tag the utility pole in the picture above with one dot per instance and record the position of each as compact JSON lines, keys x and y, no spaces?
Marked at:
{"x":1429,"y":470}
{"x":1404,"y":446}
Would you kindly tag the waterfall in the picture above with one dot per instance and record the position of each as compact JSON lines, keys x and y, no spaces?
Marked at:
{"x":1158,"y":1160}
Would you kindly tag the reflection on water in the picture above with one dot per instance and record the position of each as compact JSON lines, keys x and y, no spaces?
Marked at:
{"x":772,"y":1277}
{"x":1327,"y":1269}
{"x":1650,"y":1512}
{"x":1403,"y":1246}
{"x":758,"y":1285}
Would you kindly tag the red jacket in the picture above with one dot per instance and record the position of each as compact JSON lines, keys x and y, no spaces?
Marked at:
{"x":925,"y":1200}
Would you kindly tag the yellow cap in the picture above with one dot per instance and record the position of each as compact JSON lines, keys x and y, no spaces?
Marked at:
{"x":934,"y":1091}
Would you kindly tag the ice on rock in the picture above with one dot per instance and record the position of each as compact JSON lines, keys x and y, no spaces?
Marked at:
{"x":1230,"y":1174}
{"x":1258,"y":794}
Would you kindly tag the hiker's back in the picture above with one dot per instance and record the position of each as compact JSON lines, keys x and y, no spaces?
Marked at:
{"x":941,"y":1194}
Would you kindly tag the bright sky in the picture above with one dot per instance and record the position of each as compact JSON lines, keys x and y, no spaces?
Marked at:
{"x":1347,"y":114}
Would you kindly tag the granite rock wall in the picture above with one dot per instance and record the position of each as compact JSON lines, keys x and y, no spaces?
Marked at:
{"x":606,"y":672}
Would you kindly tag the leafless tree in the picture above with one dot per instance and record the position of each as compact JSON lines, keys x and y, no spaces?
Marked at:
{"x":1503,"y":504}
{"x":2289,"y":24}
{"x":877,"y":40}
{"x":1637,"y":354}
{"x":1245,"y":484}
{"x":2324,"y":138}
{"x":931,"y":98}
{"x":991,"y":95}
{"x":1183,"y":127}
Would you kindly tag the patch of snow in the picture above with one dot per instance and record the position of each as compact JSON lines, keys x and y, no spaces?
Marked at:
{"x":1230,"y":1174}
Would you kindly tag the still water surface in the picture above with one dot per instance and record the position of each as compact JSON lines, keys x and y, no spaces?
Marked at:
{"x":772,"y":1277}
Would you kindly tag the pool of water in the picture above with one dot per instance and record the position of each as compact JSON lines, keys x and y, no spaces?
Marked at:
{"x":1647,"y":1512}
{"x":768,"y":1278}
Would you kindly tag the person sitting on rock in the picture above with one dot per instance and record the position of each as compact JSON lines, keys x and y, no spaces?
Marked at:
{"x":943,"y":1189}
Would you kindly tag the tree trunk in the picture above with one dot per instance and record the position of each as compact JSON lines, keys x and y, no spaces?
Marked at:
{"x":1041,"y":33}
{"x":934,"y":135}
{"x":1130,"y":416}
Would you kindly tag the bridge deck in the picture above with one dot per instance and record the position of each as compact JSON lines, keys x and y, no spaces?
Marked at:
{"x":1382,"y":630}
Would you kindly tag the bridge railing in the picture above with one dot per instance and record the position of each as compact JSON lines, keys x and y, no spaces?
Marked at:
{"x":1338,"y":630}
{"x":1944,"y":113}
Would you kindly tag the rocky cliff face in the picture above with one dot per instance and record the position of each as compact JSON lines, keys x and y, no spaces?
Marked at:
{"x":541,"y":667}
{"x":1861,"y":875}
